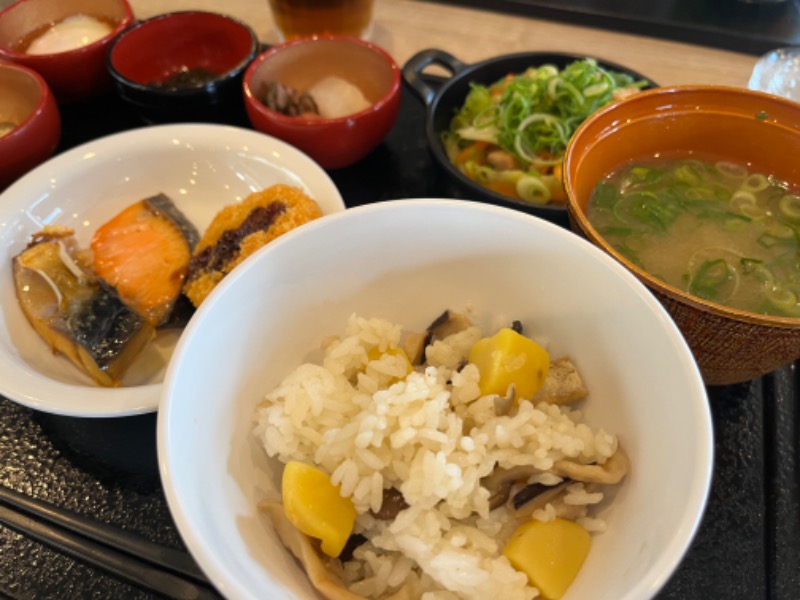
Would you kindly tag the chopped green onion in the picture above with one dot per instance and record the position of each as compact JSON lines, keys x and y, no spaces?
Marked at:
{"x":789,"y":205}
{"x":532,"y":189}
{"x":779,"y":230}
{"x":755,"y":183}
{"x":749,"y":265}
{"x":478,"y":172}
{"x":710,"y":278}
{"x":783,"y":299}
{"x":605,"y":195}
{"x":595,"y":90}
{"x":732,"y":170}
{"x":686,"y":173}
{"x":769,"y":240}
{"x":548,"y":123}
{"x":745,"y":202}
{"x":495,"y":113}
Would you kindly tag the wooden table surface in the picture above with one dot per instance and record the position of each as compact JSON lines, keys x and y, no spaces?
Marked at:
{"x":404,"y":27}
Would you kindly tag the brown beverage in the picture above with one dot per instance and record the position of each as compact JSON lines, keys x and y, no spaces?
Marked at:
{"x":296,"y":18}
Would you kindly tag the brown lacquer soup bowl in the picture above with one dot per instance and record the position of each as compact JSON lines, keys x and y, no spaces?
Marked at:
{"x":757,"y":130}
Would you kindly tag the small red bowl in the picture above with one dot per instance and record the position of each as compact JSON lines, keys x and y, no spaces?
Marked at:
{"x":299,"y":64}
{"x":73,"y":75}
{"x":207,"y":51}
{"x":26,"y":102}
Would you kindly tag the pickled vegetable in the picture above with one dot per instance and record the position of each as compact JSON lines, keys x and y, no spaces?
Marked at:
{"x":314,"y":505}
{"x":510,"y":358}
{"x":550,"y":553}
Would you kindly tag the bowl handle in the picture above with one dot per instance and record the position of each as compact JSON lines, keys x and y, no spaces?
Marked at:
{"x":413,"y":71}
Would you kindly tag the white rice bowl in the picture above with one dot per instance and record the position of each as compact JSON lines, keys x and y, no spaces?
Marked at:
{"x":406,"y":261}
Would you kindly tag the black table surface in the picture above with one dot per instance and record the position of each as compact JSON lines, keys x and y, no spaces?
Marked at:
{"x":748,"y":545}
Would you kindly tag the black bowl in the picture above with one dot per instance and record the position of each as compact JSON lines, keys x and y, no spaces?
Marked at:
{"x":184,"y":66}
{"x":444,"y":100}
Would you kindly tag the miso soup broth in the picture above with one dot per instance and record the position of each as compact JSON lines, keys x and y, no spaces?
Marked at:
{"x":715,"y":229}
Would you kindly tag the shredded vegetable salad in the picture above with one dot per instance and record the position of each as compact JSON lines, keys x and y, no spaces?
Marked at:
{"x":511,"y":136}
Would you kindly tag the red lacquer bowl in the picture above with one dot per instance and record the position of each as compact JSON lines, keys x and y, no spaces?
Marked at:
{"x":73,"y":75}
{"x":27,"y":102}
{"x":298,"y":64}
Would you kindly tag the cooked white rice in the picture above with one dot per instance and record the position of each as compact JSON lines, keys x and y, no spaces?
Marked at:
{"x":431,"y":436}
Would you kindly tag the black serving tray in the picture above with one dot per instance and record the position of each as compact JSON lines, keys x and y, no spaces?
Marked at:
{"x":748,"y":545}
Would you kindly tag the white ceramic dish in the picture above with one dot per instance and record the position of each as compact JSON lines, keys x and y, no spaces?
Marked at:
{"x":407,"y":261}
{"x":201,"y":167}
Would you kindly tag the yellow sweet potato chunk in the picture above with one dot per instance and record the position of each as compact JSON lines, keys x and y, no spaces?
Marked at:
{"x":510,"y":358}
{"x":550,"y":553}
{"x":314,"y":505}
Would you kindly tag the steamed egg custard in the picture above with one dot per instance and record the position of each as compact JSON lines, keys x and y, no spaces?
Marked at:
{"x":721,"y":231}
{"x":73,"y":32}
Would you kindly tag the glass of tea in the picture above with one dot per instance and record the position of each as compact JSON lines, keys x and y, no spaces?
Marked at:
{"x":299,"y":18}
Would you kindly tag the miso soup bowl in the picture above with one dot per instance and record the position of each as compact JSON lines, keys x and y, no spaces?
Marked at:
{"x":739,"y":125}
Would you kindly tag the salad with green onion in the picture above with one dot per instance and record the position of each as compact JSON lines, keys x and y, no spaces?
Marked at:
{"x":511,"y":136}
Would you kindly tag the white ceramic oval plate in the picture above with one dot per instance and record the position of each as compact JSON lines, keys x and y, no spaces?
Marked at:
{"x":201,"y":167}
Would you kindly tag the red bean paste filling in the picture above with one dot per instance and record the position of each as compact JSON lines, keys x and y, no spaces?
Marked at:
{"x":213,"y":258}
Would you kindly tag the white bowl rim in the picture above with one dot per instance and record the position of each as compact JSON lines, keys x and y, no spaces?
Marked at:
{"x":25,"y":385}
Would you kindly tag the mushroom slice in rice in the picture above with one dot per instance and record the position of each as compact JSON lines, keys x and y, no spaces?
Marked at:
{"x":535,"y":496}
{"x":444,"y":325}
{"x":414,"y":347}
{"x":447,"y":324}
{"x":563,"y":384}
{"x":610,"y":472}
{"x":393,"y":503}
{"x":325,"y":581}
{"x":500,"y":481}
{"x":504,"y":404}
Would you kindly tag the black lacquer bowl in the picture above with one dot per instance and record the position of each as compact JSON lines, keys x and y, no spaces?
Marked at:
{"x":184,"y":66}
{"x":443,"y":101}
